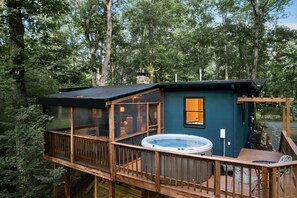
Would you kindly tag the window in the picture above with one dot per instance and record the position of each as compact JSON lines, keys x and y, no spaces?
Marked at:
{"x":194,"y":112}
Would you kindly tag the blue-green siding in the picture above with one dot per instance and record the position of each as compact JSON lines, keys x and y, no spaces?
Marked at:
{"x":221,"y":112}
{"x":242,"y":126}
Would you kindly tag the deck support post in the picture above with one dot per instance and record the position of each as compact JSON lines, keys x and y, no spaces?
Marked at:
{"x":67,"y":182}
{"x":143,"y":193}
{"x":217,"y":176}
{"x":95,"y":187}
{"x":111,"y":189}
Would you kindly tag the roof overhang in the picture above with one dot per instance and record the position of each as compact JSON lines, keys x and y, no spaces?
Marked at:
{"x":93,"y":97}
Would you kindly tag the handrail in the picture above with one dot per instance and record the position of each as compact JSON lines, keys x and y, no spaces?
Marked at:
{"x":289,"y":143}
{"x":89,"y":137}
{"x":56,"y":132}
{"x":229,"y":160}
{"x":282,"y":164}
{"x":130,"y":135}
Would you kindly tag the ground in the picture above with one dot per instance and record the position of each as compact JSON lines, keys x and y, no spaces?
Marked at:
{"x":274,"y":130}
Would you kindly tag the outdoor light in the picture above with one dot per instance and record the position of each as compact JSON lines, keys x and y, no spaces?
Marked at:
{"x":122,"y":109}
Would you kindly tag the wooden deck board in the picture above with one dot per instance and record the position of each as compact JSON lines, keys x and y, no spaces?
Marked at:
{"x":250,"y":155}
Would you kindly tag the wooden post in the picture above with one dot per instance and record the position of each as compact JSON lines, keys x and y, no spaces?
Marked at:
{"x":217,"y":178}
{"x":67,"y":182}
{"x":288,"y":124}
{"x":95,"y":187}
{"x":71,"y":134}
{"x":111,"y":146}
{"x":264,"y":181}
{"x":147,"y":119}
{"x":162,"y":109}
{"x":158,"y":169}
{"x":284,"y":118}
{"x":111,"y":189}
{"x":159,"y":118}
{"x":272,"y":183}
{"x":143,"y":193}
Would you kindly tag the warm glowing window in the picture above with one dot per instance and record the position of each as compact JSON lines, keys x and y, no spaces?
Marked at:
{"x":194,"y":111}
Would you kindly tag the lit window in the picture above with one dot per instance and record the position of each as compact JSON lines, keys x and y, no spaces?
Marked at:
{"x":194,"y":111}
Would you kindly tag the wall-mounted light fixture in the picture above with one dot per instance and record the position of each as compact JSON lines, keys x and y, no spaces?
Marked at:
{"x":122,"y":109}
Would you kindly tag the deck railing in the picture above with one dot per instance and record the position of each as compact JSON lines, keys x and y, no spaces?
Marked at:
{"x":287,"y":145}
{"x":211,"y":176}
{"x":92,"y":151}
{"x":163,"y":172}
{"x":57,"y":144}
{"x":87,"y":150}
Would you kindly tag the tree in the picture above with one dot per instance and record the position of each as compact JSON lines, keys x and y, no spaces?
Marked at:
{"x":108,"y":41}
{"x":89,"y":18}
{"x":23,"y":173}
{"x":151,"y":26}
{"x":261,"y":11}
{"x":16,"y":44}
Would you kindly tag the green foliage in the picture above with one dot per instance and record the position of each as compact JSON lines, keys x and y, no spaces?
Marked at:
{"x":23,"y":171}
{"x":64,"y":43}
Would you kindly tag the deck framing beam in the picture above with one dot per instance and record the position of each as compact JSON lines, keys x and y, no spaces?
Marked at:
{"x":263,"y":99}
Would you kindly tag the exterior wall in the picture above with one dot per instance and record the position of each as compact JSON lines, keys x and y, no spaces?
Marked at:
{"x":242,"y":126}
{"x":219,"y":114}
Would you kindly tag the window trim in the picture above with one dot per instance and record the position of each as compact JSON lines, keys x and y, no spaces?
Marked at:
{"x":185,"y":113}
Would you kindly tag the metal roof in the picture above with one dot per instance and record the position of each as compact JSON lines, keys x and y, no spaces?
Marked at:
{"x":96,"y":97}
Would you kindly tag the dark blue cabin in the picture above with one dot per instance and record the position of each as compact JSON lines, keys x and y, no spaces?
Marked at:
{"x":207,"y":107}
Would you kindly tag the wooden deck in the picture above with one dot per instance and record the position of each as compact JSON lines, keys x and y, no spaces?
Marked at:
{"x":251,"y":155}
{"x":180,"y":175}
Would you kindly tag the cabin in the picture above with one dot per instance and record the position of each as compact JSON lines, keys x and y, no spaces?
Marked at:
{"x":98,"y":130}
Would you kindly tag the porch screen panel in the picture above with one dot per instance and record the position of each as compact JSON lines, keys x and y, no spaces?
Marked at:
{"x":129,"y":119}
{"x":194,"y":111}
{"x":92,"y":122}
{"x":60,"y":118}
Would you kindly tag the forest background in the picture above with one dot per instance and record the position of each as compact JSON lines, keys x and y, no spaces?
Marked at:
{"x":46,"y":45}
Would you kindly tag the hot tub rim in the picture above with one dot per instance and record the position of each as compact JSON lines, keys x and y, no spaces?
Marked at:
{"x":188,"y":150}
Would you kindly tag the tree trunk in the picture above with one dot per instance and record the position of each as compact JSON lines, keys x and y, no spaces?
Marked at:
{"x":259,"y":12}
{"x":243,"y":59}
{"x":16,"y":44}
{"x":94,"y":69}
{"x":225,"y":48}
{"x":108,"y":42}
{"x":256,"y":41}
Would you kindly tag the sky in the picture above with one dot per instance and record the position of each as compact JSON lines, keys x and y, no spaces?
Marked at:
{"x":291,"y":20}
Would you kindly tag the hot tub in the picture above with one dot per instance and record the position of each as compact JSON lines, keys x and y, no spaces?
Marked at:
{"x":179,"y":167}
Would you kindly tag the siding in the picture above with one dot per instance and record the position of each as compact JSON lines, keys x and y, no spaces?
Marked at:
{"x":219,"y":111}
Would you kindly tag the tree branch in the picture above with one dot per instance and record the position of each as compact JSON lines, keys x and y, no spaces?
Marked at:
{"x":264,"y":6}
{"x":254,"y":8}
